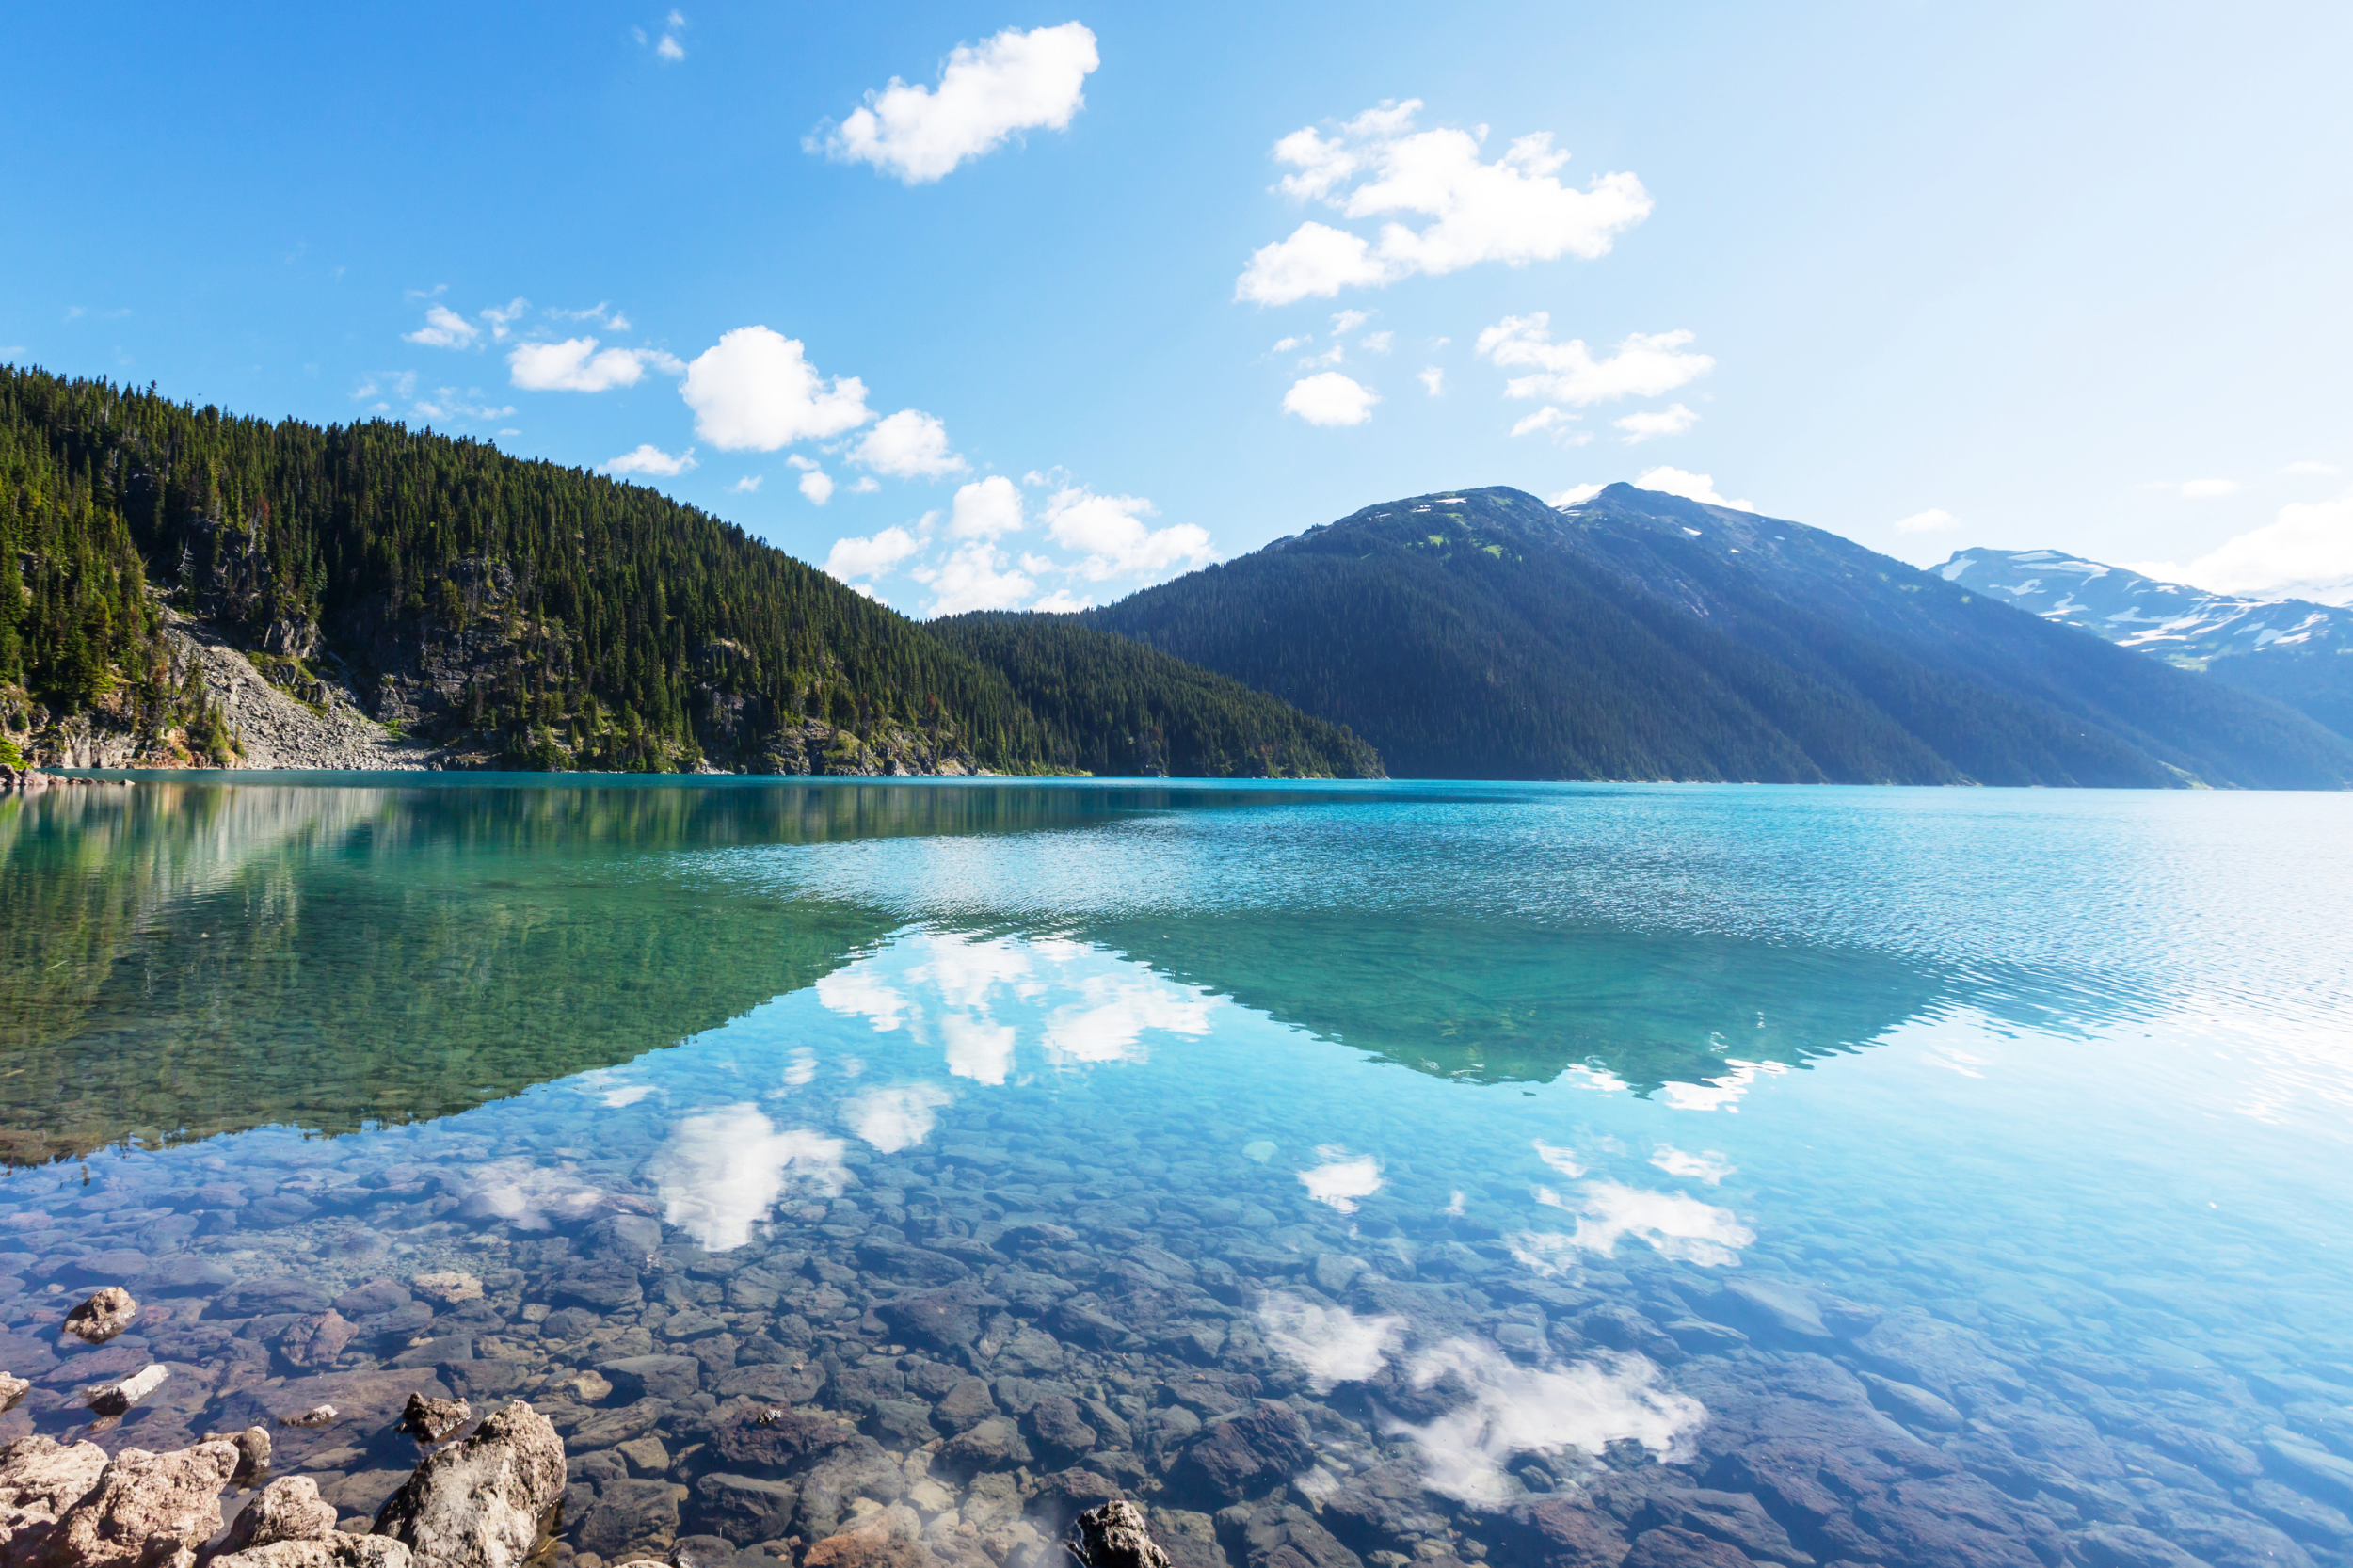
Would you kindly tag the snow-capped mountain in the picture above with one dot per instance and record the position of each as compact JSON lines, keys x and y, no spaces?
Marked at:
{"x":2186,"y":626}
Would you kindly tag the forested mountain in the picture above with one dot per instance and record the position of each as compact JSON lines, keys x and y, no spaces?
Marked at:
{"x":2292,"y":651}
{"x":1640,"y":635}
{"x":1115,"y":706}
{"x":507,"y":612}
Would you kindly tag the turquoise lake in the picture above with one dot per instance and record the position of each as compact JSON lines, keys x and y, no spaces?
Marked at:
{"x":1373,"y":1174}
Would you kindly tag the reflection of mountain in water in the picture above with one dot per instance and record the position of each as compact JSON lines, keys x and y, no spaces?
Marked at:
{"x":182,"y":961}
{"x":1494,"y":1002}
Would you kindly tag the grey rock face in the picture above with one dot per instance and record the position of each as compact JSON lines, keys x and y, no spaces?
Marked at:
{"x":1115,"y":1536}
{"x":146,"y":1509}
{"x":103,"y":1316}
{"x":481,"y":1503}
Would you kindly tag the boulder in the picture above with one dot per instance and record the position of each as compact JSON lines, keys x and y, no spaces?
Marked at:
{"x":316,"y":1340}
{"x":781,"y":1440}
{"x":40,"y":1479}
{"x":631,"y":1519}
{"x":146,"y":1509}
{"x":12,"y":1389}
{"x":114,"y":1399}
{"x":1249,"y":1453}
{"x":670,"y":1378}
{"x":286,"y":1509}
{"x":331,"y":1551}
{"x":868,"y":1546}
{"x":449,"y":1288}
{"x":481,"y":1503}
{"x":994,"y":1444}
{"x":103,"y":1316}
{"x":744,"y":1508}
{"x":253,"y":1448}
{"x":430,"y":1420}
{"x":1115,"y":1536}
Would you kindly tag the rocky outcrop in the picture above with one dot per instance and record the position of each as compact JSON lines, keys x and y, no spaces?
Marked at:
{"x":483,"y":1503}
{"x":40,"y":1479}
{"x":147,"y":1510}
{"x":288,"y":1510}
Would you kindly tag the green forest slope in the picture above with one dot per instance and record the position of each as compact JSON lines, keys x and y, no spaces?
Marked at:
{"x":509,"y":613}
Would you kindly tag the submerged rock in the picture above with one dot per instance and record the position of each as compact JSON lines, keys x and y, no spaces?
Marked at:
{"x":103,"y":1316}
{"x":482,"y":1503}
{"x":430,"y":1420}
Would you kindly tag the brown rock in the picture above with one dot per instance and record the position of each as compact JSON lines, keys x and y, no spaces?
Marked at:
{"x":334,"y":1551}
{"x":288,"y":1510}
{"x":40,"y":1479}
{"x":481,"y":1503}
{"x":316,"y":1340}
{"x":146,"y":1509}
{"x":103,"y":1316}
{"x":868,"y":1546}
{"x":1115,"y":1536}
{"x":430,"y":1420}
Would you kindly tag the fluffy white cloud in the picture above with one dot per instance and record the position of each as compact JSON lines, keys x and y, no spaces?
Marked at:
{"x":576,"y":365}
{"x":1935,"y":521}
{"x":976,"y":576}
{"x":817,"y":485}
{"x":1646,"y":364}
{"x":755,"y":390}
{"x":1329,"y":399}
{"x":1339,"y":1181}
{"x":1062,"y":601}
{"x":1691,"y":487}
{"x":1331,"y":1344}
{"x":2195,"y":490}
{"x":1577,"y":495}
{"x":1676,"y":1226}
{"x":720,"y":1172}
{"x":652,"y":459}
{"x":1109,"y":530}
{"x":894,"y":1119}
{"x":1014,"y":82}
{"x":1642,"y":425}
{"x":748,"y":485}
{"x":867,"y":484}
{"x":1513,"y":210}
{"x":1377,"y":343}
{"x":1348,"y":321}
{"x":443,"y":328}
{"x":1432,"y":380}
{"x":910,"y":444}
{"x":1553,"y":420}
{"x":1284,"y":345}
{"x":2306,"y":553}
{"x":502,"y":317}
{"x":985,"y":509}
{"x":853,"y":557}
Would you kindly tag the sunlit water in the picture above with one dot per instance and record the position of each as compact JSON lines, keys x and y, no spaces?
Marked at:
{"x":1878,"y":1176}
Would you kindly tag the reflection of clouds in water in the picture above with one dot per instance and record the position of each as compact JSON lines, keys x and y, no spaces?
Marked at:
{"x":965,"y":972}
{"x":855,"y":994}
{"x":1116,"y":1010}
{"x":1706,"y":1165}
{"x":722,"y":1170}
{"x":528,"y":1196}
{"x":1562,"y":1161}
{"x":1515,"y":1410}
{"x":978,"y":1050}
{"x":610,"y":1089}
{"x":1340,"y":1180}
{"x":801,"y":1068}
{"x":1674,"y":1225}
{"x":892,"y":1119}
{"x":1330,"y":1343}
{"x":1259,"y":1150}
{"x":1718,"y":1094}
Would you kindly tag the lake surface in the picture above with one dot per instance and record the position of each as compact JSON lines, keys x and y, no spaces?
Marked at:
{"x":1375,"y":1174}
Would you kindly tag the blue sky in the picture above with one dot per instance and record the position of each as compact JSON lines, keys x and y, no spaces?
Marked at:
{"x":1927,"y":276}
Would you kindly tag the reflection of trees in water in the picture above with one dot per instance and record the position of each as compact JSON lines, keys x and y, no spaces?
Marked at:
{"x":1496,"y":1002}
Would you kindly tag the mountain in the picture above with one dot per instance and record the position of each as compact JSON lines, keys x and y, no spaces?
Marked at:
{"x":1642,"y":635}
{"x":2293,"y":650}
{"x":180,"y":585}
{"x":1115,"y":706}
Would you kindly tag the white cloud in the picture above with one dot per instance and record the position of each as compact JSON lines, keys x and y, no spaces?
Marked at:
{"x":719,"y":1173}
{"x":1554,"y":420}
{"x":1577,"y":495}
{"x":669,"y":48}
{"x":500,"y":318}
{"x":817,"y":485}
{"x":443,"y":328}
{"x":576,"y":365}
{"x":1565,"y":1160}
{"x":1339,"y":1181}
{"x":1377,"y":343}
{"x":1331,"y":1344}
{"x":755,"y":390}
{"x":1644,"y":423}
{"x":2324,"y":470}
{"x":867,"y":484}
{"x":1935,"y":521}
{"x":748,"y":485}
{"x":1284,"y":345}
{"x":985,"y":509}
{"x":1646,"y":364}
{"x":856,"y":557}
{"x":1062,"y":601}
{"x":1330,"y":399}
{"x":910,"y":444}
{"x":894,"y":1119}
{"x":1348,"y":321}
{"x":1109,"y":530}
{"x":976,"y":576}
{"x":1014,"y":82}
{"x":2195,"y":490}
{"x":977,"y":1049}
{"x":2306,"y":553}
{"x":1432,"y":380}
{"x":1691,"y":487}
{"x":1513,"y":210}
{"x":652,"y":459}
{"x":1110,"y":1020}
